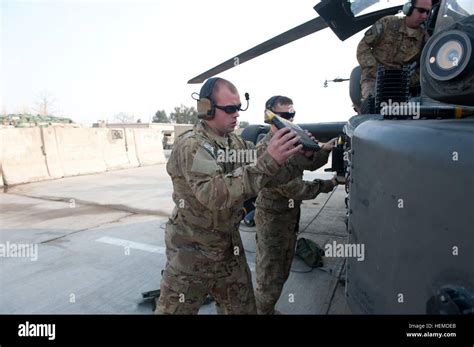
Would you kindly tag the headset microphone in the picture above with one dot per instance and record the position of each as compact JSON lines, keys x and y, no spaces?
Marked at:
{"x":247,"y":98}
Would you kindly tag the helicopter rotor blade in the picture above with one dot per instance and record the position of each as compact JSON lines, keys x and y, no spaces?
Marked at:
{"x":291,"y":35}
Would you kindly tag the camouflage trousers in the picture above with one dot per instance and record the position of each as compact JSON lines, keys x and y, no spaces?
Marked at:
{"x":183,"y":293}
{"x":276,"y":241}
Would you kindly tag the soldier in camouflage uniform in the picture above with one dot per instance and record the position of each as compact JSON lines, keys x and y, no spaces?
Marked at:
{"x":393,"y":41}
{"x":203,"y":245}
{"x":277,"y":218}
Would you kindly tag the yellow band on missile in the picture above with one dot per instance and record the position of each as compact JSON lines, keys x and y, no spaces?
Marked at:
{"x":269,"y":116}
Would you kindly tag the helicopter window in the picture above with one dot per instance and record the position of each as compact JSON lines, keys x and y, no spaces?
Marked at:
{"x":361,"y":7}
{"x":462,"y":7}
{"x":454,"y":11}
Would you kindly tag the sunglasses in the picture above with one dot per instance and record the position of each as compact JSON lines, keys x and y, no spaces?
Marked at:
{"x":229,"y":109}
{"x":422,"y":10}
{"x":286,"y":115}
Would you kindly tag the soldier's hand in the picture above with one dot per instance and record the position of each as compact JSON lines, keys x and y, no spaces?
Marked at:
{"x":311,"y":136}
{"x":273,"y":129}
{"x":328,"y":146}
{"x":283,"y":145}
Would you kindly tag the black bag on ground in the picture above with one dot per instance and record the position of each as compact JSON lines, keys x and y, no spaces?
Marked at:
{"x":311,"y":253}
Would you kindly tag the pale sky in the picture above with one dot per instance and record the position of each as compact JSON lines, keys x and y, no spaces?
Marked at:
{"x":99,"y":58}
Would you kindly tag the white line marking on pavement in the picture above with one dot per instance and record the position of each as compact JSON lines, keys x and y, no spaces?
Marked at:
{"x":132,"y":245}
{"x":143,"y":246}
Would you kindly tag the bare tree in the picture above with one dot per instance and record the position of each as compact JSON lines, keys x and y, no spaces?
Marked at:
{"x":45,"y":105}
{"x":123,"y":117}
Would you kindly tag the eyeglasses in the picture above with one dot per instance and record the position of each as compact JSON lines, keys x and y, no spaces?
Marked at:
{"x":422,"y":10}
{"x":286,"y":115}
{"x":230,"y":109}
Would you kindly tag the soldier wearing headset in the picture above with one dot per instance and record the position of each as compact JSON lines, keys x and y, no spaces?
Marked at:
{"x":394,"y":41}
{"x":203,"y":246}
{"x":277,"y":217}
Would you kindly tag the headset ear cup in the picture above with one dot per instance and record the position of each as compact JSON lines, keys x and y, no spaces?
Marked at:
{"x":407,"y":8}
{"x":205,"y":109}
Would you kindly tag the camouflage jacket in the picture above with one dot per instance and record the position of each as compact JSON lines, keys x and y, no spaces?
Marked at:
{"x":391,"y":43}
{"x":209,"y":188}
{"x":285,"y":197}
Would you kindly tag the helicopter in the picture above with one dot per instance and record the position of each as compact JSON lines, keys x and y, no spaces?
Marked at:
{"x":409,"y":174}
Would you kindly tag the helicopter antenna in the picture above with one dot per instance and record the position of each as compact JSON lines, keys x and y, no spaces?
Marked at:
{"x":336,"y":80}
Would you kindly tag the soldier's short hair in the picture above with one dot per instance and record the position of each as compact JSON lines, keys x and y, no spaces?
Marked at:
{"x":283,"y":100}
{"x":223,"y":83}
{"x":277,"y":99}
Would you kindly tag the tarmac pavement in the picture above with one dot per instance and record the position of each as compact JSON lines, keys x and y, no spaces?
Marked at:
{"x":99,"y":243}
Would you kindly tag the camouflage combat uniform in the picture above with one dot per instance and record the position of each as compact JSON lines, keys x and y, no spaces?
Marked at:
{"x":391,"y":43}
{"x":203,"y":245}
{"x":277,"y":217}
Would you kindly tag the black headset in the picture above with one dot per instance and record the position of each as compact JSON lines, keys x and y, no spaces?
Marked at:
{"x":205,"y":104}
{"x":409,"y":7}
{"x":271,"y":102}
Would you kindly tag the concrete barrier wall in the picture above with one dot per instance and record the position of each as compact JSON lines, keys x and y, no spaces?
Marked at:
{"x":115,"y":148}
{"x":1,"y":154}
{"x":80,"y":151}
{"x":23,"y":159}
{"x":149,"y":146}
{"x":130,"y":147}
{"x":36,"y":154}
{"x":50,"y":145}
